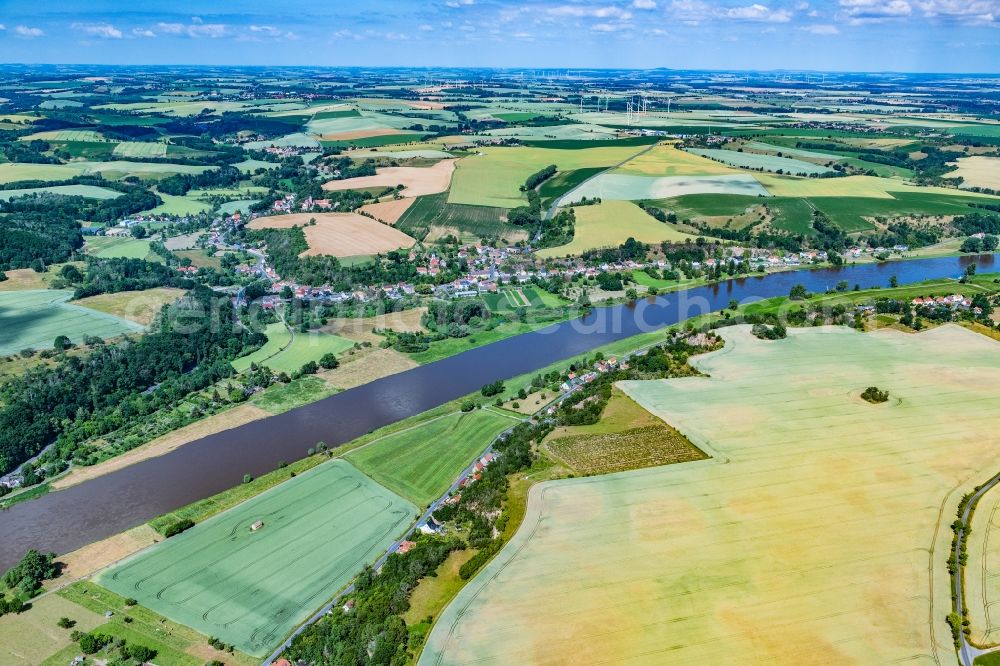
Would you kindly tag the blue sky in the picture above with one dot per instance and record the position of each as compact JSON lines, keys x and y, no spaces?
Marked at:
{"x":835,"y":35}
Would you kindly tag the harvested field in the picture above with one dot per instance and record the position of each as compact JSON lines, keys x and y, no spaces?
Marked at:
{"x":231,"y":418}
{"x":419,"y":463}
{"x":138,"y":306}
{"x":388,"y":211}
{"x":611,"y":223}
{"x":339,"y":234}
{"x":624,"y":187}
{"x":33,"y":319}
{"x":622,"y":451}
{"x":362,"y":329}
{"x":22,"y":279}
{"x":978,"y":171}
{"x":366,"y":366}
{"x":250,"y":588}
{"x":416,"y":181}
{"x":817,"y":533}
{"x":93,"y":557}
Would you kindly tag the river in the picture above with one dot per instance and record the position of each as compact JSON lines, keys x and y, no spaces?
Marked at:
{"x":68,"y":519}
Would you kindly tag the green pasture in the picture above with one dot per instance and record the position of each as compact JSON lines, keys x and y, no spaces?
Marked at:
{"x":14,"y":172}
{"x":285,"y":352}
{"x":87,"y":191}
{"x":758,"y":161}
{"x":419,"y":463}
{"x":179,"y":205}
{"x":278,"y":338}
{"x":493,"y":176}
{"x":33,"y":319}
{"x":251,"y":588}
{"x":563,"y":182}
{"x":110,"y":247}
{"x":512,"y":298}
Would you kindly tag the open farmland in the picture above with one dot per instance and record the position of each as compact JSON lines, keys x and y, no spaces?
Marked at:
{"x":416,"y":181}
{"x":815,"y":534}
{"x":251,"y":588}
{"x":611,"y":223}
{"x":433,"y":213}
{"x":27,"y":639}
{"x":141,"y":149}
{"x":87,"y":191}
{"x":625,"y":187}
{"x":420,"y":462}
{"x":33,"y":319}
{"x":108,"y":247}
{"x":982,"y":575}
{"x":388,"y":211}
{"x":10,"y":173}
{"x":978,"y":171}
{"x":666,"y":159}
{"x":493,"y":176}
{"x":140,"y":307}
{"x":339,"y":234}
{"x":759,"y":161}
{"x":621,"y":451}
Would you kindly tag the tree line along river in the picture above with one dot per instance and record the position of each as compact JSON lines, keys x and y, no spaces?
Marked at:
{"x":65,"y":520}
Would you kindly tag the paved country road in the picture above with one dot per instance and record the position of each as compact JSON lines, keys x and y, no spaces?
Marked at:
{"x":967,"y":652}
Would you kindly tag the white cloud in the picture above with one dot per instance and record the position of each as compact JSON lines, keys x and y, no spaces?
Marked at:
{"x":459,"y":3}
{"x":690,"y":11}
{"x":2,"y":26}
{"x":758,"y":13}
{"x":576,"y":11}
{"x":347,"y":34}
{"x":643,"y":4}
{"x":102,"y":30}
{"x":197,"y":28}
{"x":821,"y":29}
{"x":426,"y":27}
{"x":610,"y":27}
{"x":143,"y":32}
{"x":696,"y":11}
{"x":974,"y":11}
{"x":870,"y":11}
{"x":27,"y":32}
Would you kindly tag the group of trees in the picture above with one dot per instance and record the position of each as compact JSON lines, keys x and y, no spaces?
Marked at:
{"x":107,"y":276}
{"x":81,"y":397}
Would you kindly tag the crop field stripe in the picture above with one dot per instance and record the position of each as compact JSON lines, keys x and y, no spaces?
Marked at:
{"x":421,"y":462}
{"x":251,"y":588}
